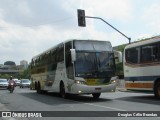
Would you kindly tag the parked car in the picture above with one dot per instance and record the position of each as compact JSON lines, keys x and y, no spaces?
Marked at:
{"x":17,"y":82}
{"x":25,"y":83}
{"x":3,"y":83}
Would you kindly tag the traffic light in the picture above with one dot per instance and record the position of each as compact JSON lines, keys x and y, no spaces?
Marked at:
{"x":81,"y":18}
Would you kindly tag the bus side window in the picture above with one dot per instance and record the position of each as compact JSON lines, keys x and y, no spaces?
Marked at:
{"x":60,"y":53}
{"x":53,"y":56}
{"x":146,"y":54}
{"x":68,"y":61}
{"x":132,"y":55}
{"x":149,"y":53}
{"x":155,"y":53}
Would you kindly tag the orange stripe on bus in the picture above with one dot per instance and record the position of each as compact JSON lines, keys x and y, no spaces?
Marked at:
{"x":139,"y":85}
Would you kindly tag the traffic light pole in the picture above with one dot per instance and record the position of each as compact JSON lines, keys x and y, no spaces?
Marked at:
{"x":111,"y":26}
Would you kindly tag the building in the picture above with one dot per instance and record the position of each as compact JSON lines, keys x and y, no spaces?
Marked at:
{"x":24,"y":63}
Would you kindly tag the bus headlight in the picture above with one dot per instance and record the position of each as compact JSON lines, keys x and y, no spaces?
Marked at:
{"x":80,"y":82}
{"x":113,"y":81}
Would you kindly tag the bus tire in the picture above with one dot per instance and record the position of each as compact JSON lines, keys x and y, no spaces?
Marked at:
{"x":96,"y":95}
{"x":62,"y":90}
{"x":38,"y":88}
{"x":157,"y":89}
{"x":35,"y":85}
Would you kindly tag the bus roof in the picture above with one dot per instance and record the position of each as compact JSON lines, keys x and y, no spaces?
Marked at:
{"x":144,"y":42}
{"x":54,"y":47}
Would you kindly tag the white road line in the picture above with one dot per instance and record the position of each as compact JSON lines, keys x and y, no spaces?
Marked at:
{"x":105,"y":107}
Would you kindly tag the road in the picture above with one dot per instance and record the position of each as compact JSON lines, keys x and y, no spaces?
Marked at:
{"x":28,"y":100}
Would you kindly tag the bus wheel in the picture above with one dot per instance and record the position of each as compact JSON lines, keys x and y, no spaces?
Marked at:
{"x":35,"y":86}
{"x":96,"y":95}
{"x":157,"y":90}
{"x":62,"y":90}
{"x":38,"y":88}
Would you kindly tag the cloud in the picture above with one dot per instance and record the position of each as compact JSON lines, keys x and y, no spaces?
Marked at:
{"x":19,"y":43}
{"x":114,"y":9}
{"x":1,"y":13}
{"x":30,"y":27}
{"x":16,"y":12}
{"x":151,"y":15}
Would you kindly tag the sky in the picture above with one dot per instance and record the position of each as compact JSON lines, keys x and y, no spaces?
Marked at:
{"x":29,"y":27}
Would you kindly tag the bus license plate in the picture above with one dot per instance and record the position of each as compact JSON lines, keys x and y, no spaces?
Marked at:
{"x":97,"y":88}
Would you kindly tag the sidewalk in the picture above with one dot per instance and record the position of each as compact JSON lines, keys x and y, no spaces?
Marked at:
{"x":121,"y":89}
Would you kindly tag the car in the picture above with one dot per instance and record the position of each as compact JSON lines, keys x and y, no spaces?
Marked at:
{"x":3,"y":83}
{"x":25,"y":83}
{"x":17,"y":82}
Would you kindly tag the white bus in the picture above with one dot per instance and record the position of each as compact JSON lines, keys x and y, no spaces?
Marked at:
{"x":75,"y":67}
{"x":142,"y":65}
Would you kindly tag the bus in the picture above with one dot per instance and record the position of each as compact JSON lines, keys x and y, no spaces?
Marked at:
{"x":142,"y":65}
{"x":75,"y":67}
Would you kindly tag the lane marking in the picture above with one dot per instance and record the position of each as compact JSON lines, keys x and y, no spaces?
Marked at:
{"x":105,"y":107}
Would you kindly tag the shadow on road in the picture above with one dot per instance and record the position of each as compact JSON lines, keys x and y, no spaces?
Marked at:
{"x":148,"y":99}
{"x":48,"y":98}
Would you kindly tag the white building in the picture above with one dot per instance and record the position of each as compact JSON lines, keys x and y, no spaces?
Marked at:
{"x":24,"y":63}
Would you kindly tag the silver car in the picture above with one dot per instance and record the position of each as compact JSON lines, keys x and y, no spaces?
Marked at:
{"x":3,"y":83}
{"x":17,"y":82}
{"x":25,"y":83}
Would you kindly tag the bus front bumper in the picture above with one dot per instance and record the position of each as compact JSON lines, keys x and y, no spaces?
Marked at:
{"x":85,"y":89}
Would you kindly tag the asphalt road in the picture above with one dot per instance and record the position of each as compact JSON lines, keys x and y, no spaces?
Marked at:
{"x":28,"y":100}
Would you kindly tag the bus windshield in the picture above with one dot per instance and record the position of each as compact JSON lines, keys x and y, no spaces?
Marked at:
{"x":94,"y":64}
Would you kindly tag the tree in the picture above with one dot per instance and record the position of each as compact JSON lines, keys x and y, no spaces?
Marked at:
{"x":6,"y":76}
{"x":119,"y":66}
{"x":26,"y":73}
{"x":10,"y":63}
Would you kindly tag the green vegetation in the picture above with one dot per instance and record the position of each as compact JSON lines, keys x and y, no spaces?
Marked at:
{"x":26,"y":73}
{"x":10,"y":63}
{"x":119,"y":66}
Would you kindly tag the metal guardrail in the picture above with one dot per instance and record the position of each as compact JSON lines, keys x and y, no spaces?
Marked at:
{"x":8,"y":71}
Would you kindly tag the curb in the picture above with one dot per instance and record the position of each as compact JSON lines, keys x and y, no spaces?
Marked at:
{"x":121,"y":89}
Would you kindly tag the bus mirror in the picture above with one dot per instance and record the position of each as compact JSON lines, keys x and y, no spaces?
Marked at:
{"x":73,"y":54}
{"x":118,"y":55}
